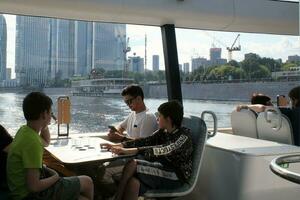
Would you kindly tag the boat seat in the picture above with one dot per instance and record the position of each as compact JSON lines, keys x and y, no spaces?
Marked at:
{"x":274,"y":126}
{"x":243,"y":123}
{"x":199,"y":134}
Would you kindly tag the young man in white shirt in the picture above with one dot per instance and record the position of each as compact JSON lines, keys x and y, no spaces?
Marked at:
{"x":140,"y":122}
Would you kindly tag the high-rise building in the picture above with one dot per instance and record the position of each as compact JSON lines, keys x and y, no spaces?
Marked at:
{"x":155,"y":62}
{"x":83,"y":48}
{"x":32,"y":62}
{"x":199,"y":63}
{"x":62,"y":48}
{"x":294,"y":58}
{"x":136,"y":64}
{"x":57,"y":48}
{"x":215,"y":54}
{"x":8,"y":73}
{"x":215,"y":57}
{"x":3,"y":42}
{"x":186,"y":67}
{"x":180,"y":67}
{"x":109,"y":41}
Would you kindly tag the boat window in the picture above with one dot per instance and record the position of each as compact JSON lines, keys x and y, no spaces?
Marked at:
{"x":91,"y":62}
{"x":220,"y":70}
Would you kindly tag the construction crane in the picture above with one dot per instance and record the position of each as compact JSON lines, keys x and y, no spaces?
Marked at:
{"x":229,"y":49}
{"x":233,"y":48}
{"x":126,"y":49}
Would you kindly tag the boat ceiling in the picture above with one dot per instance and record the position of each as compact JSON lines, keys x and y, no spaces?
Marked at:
{"x":258,"y":16}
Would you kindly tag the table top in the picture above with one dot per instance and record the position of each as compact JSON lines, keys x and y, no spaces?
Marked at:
{"x":250,"y":146}
{"x":80,"y":149}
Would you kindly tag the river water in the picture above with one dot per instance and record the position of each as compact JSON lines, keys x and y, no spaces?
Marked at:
{"x":93,"y":114}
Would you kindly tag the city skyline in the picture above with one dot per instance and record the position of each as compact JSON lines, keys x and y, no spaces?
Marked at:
{"x":3,"y":46}
{"x":193,"y":43}
{"x":58,"y":49}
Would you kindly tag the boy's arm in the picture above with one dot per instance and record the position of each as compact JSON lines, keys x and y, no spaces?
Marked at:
{"x":35,"y":184}
{"x":45,"y":135}
{"x":142,"y":142}
{"x":255,"y":107}
{"x":169,"y":151}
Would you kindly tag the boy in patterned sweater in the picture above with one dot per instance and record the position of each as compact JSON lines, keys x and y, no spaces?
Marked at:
{"x":164,"y":159}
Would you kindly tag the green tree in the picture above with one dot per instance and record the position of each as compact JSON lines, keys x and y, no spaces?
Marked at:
{"x":271,"y":64}
{"x":286,"y":66}
{"x":226,"y":72}
{"x":234,"y":63}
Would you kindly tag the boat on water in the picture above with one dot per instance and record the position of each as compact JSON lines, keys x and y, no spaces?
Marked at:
{"x":102,"y":87}
{"x":233,"y":167}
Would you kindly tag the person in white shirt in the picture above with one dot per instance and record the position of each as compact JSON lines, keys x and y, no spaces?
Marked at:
{"x":140,"y":122}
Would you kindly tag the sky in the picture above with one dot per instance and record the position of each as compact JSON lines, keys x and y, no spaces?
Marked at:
{"x":190,"y":43}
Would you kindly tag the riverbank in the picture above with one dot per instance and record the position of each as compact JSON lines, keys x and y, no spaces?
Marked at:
{"x":224,"y":91}
{"x":199,"y":91}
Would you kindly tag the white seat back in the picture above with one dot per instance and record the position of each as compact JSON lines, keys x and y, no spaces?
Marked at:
{"x":274,"y":126}
{"x":243,"y":123}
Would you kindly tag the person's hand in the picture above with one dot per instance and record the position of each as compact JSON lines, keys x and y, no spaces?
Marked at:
{"x":123,"y":151}
{"x":114,"y":136}
{"x":108,"y":146}
{"x":111,"y":131}
{"x":240,"y":107}
{"x":45,"y":136}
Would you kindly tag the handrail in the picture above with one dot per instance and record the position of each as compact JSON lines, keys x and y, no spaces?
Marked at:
{"x":211,"y":134}
{"x":279,"y":118}
{"x":276,"y":168}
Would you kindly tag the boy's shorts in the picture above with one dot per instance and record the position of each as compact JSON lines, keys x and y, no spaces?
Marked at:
{"x":66,"y":188}
{"x":154,"y":175}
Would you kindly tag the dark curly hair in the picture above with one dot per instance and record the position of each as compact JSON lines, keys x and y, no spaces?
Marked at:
{"x":172,"y":109}
{"x":133,"y":90}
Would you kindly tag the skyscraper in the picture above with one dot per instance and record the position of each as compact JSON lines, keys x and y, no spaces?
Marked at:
{"x":215,"y":54}
{"x":180,"y":67}
{"x":48,"y":48}
{"x":3,"y":42}
{"x":83,"y":47}
{"x":215,"y":57}
{"x":136,"y":64}
{"x":8,"y":73}
{"x":186,"y":67}
{"x":155,"y":62}
{"x":199,"y":63}
{"x":62,"y":48}
{"x":108,"y":43}
{"x":32,"y":50}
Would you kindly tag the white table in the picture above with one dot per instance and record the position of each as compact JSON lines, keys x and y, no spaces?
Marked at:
{"x":80,"y":149}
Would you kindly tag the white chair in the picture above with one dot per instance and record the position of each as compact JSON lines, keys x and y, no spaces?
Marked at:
{"x":274,"y":126}
{"x":243,"y":123}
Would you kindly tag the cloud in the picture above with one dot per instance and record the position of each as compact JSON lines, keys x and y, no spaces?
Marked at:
{"x":192,"y":43}
{"x":195,"y":43}
{"x":280,"y":47}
